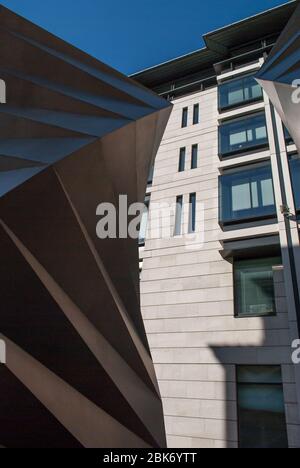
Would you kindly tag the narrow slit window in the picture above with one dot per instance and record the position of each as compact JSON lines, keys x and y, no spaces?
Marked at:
{"x":194,"y":163}
{"x":178,"y":215}
{"x":192,"y":213}
{"x":182,"y":154}
{"x":196,"y":114}
{"x":184,"y":121}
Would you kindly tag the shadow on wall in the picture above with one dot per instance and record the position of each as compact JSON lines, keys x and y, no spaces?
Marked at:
{"x":260,"y":391}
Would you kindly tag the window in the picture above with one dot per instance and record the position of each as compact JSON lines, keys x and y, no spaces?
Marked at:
{"x":288,"y":139}
{"x":238,"y":92}
{"x":254,"y":287}
{"x":247,"y":195}
{"x":150,"y":176}
{"x":261,"y":411}
{"x":248,"y":133}
{"x":184,"y":121}
{"x":194,"y":162}
{"x":196,"y":114}
{"x":144,"y":222}
{"x":182,"y":153}
{"x":178,"y":215}
{"x":295,"y":176}
{"x":192,"y":213}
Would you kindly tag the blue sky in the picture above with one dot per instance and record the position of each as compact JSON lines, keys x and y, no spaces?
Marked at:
{"x":131,"y":35}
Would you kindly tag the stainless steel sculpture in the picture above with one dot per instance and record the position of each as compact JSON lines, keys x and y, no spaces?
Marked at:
{"x":73,"y":133}
{"x":280,"y":76}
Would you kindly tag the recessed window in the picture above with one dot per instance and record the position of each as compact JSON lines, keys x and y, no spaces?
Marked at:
{"x":243,"y":135}
{"x":144,"y":222}
{"x":295,"y":175}
{"x":184,"y":120}
{"x":194,"y":162}
{"x":254,"y":287}
{"x":239,"y":92}
{"x":178,"y":215}
{"x":247,"y":195}
{"x":261,"y":409}
{"x":182,"y":153}
{"x":196,"y":114}
{"x":192,"y":213}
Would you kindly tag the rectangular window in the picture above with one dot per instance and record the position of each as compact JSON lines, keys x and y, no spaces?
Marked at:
{"x":184,"y":121}
{"x":178,"y":215}
{"x":196,"y":114}
{"x":242,"y":135}
{"x":194,"y":162}
{"x":239,"y":92}
{"x":182,"y":153}
{"x":247,"y":195}
{"x":295,"y":176}
{"x":261,"y":409}
{"x":144,"y":222}
{"x":254,"y":287}
{"x":192,"y":213}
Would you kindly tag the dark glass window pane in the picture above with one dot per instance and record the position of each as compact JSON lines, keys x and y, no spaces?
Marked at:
{"x":178,"y":215}
{"x":194,"y":163}
{"x":144,"y":222}
{"x":259,"y":374}
{"x":192,"y":213}
{"x":150,"y":176}
{"x":242,"y":135}
{"x":254,"y":287}
{"x":196,"y":114}
{"x":182,"y":153}
{"x":261,"y":411}
{"x":184,"y":117}
{"x":238,"y":92}
{"x":247,"y":195}
{"x":295,"y":175}
{"x":288,"y":139}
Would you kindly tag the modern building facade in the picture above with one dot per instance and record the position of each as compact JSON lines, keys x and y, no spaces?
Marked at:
{"x":75,"y":366}
{"x":221,"y":314}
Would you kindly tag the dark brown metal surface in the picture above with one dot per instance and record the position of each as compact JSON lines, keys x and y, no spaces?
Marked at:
{"x":73,"y":133}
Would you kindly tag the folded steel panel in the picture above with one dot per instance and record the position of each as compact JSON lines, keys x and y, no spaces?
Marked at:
{"x":73,"y":133}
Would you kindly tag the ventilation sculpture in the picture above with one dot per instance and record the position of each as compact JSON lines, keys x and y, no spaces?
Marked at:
{"x":280,"y":76}
{"x":73,"y":133}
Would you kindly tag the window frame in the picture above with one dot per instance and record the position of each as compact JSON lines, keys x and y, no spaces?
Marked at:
{"x":194,"y":147}
{"x":178,"y":223}
{"x":244,"y":150}
{"x":192,"y":213}
{"x":184,"y":117}
{"x":196,"y":114}
{"x":237,"y":315}
{"x":246,"y":219}
{"x":238,"y":384}
{"x":182,"y":159}
{"x":244,"y":103}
